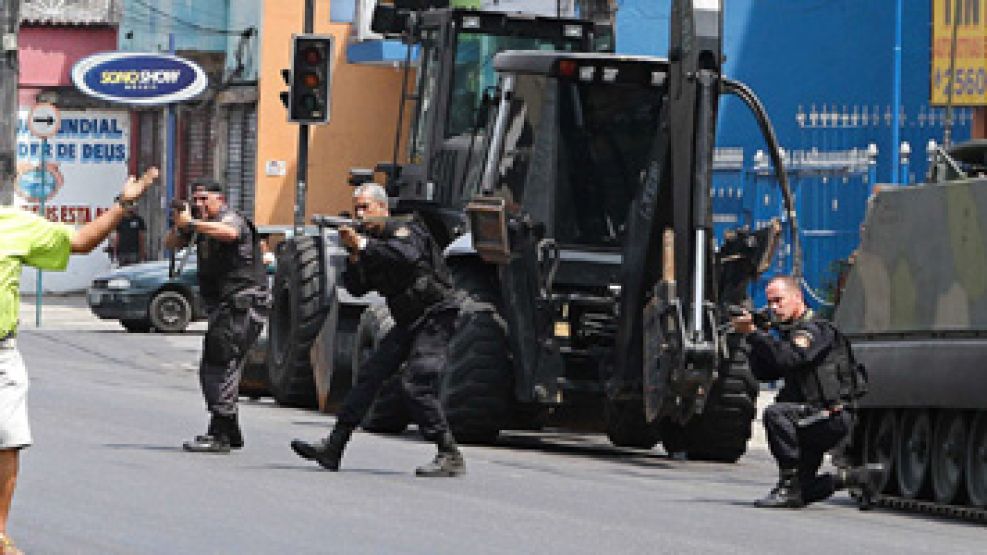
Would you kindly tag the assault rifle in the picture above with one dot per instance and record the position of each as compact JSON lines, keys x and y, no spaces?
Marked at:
{"x":762,"y":317}
{"x":359,"y":225}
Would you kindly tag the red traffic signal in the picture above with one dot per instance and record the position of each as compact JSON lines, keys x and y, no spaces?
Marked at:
{"x":308,"y":96}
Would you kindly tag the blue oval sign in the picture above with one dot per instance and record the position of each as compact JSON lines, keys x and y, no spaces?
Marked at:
{"x":138,"y":77}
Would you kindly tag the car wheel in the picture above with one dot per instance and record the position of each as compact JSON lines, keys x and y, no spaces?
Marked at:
{"x":170,"y":312}
{"x":136,"y":326}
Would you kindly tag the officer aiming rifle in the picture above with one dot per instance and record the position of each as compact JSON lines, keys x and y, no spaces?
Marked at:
{"x":398,"y":258}
{"x":813,"y":411}
{"x":233,"y":285}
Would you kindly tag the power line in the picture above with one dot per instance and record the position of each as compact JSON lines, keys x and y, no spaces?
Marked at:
{"x":190,"y":24}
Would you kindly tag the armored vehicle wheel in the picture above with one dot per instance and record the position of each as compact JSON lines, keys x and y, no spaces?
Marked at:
{"x":914,"y":453}
{"x":976,"y":462}
{"x":170,"y":312}
{"x":136,"y":326}
{"x":295,"y":320}
{"x":477,"y":385}
{"x":627,"y":426}
{"x":388,"y":414}
{"x":948,"y":456}
{"x":880,"y":446}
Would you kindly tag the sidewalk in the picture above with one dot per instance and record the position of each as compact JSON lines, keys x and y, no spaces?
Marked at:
{"x":68,"y":312}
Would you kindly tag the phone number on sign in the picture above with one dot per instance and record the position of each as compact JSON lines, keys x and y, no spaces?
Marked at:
{"x":969,"y":82}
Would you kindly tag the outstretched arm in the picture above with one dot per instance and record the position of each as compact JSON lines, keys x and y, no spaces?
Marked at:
{"x":93,"y":233}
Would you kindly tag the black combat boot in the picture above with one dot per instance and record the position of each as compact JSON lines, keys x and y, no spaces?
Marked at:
{"x":786,"y":495}
{"x":236,"y":434}
{"x":327,"y":452}
{"x":862,"y":478}
{"x":217,"y":438}
{"x":447,"y":462}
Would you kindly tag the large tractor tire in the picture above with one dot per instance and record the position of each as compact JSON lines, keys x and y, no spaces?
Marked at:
{"x":388,"y":414}
{"x":295,"y":320}
{"x":722,"y":431}
{"x":627,"y":426}
{"x":477,"y":386}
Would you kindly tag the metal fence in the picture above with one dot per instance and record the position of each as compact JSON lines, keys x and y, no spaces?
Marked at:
{"x":830,"y":191}
{"x":832,"y":168}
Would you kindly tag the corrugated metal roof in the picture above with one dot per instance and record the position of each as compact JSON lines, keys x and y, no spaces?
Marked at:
{"x":71,"y":12}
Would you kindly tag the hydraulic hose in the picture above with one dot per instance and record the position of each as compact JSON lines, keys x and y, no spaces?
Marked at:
{"x":745,"y":93}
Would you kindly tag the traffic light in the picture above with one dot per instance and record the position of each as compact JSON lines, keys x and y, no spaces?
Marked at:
{"x":308,"y":95}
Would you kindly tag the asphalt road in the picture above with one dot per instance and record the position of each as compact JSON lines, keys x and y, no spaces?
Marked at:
{"x":106,"y":475}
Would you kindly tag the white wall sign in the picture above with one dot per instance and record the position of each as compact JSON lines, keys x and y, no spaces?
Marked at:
{"x":275,"y":168}
{"x":89,"y":155}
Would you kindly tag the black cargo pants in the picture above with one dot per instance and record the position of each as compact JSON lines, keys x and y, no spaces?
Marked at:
{"x":799,"y":446}
{"x":423,"y":350}
{"x":234,"y":325}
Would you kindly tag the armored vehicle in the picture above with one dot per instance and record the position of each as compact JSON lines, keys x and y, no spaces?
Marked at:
{"x":915,"y":309}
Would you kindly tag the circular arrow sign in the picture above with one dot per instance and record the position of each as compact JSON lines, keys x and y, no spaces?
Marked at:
{"x":43,"y":120}
{"x":138,"y":77}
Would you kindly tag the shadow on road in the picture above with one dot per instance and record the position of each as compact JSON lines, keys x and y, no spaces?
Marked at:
{"x":144,"y":447}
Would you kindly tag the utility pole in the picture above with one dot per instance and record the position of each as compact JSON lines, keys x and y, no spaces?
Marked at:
{"x":9,"y":23}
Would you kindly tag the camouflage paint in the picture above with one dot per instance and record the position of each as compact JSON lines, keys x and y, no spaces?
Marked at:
{"x":922,"y":262}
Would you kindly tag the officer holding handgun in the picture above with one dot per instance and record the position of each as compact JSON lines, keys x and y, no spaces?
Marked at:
{"x":400,"y":260}
{"x":233,"y":286}
{"x":809,"y":416}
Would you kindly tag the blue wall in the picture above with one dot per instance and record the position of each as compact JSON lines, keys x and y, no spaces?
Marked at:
{"x":829,"y":54}
{"x":808,"y":60}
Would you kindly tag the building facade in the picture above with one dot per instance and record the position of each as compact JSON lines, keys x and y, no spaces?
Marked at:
{"x":82,"y":167}
{"x":214,"y":136}
{"x":365,"y":94}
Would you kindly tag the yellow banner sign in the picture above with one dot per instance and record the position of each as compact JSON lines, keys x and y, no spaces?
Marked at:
{"x":970,"y":66}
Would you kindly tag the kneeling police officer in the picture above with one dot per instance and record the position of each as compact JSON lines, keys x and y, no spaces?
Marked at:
{"x":233,"y":286}
{"x":812,"y":412}
{"x":399,"y":259}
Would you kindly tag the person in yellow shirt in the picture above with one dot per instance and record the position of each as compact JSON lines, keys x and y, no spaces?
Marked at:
{"x":29,"y":240}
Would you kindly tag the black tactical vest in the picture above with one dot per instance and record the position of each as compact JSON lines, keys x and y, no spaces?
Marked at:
{"x":835,"y":379}
{"x":427,"y":287}
{"x":226,"y":268}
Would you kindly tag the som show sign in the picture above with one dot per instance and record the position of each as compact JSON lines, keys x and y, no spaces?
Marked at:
{"x":139,"y":77}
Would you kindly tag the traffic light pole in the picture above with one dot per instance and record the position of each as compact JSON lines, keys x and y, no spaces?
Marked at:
{"x":301,"y":185}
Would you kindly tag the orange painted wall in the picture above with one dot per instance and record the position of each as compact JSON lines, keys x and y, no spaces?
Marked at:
{"x":363,"y":115}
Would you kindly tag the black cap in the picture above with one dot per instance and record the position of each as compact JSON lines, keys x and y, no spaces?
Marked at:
{"x":208,"y":185}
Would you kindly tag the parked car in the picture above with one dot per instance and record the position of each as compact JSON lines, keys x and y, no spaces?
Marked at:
{"x":145,"y":297}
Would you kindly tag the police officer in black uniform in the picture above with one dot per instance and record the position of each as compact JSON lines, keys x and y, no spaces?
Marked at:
{"x":811,"y":414}
{"x":399,"y":259}
{"x":233,"y":286}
